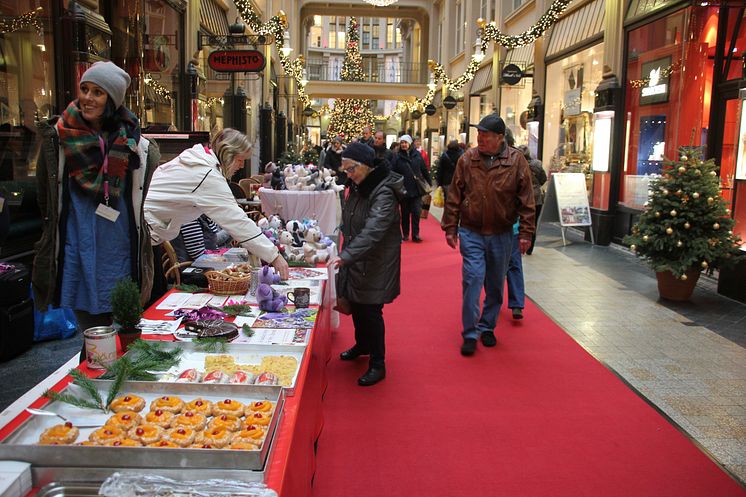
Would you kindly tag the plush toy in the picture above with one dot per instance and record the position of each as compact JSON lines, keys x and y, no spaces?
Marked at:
{"x":277,"y":182}
{"x":314,"y":251}
{"x":269,"y":276}
{"x":270,"y":299}
{"x":297,"y":229}
{"x":275,"y":222}
{"x":292,"y":253}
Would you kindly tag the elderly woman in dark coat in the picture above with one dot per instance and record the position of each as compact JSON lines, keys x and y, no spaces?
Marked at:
{"x":369,"y":263}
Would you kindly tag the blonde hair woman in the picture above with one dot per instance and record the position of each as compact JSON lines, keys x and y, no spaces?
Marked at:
{"x":196,"y":183}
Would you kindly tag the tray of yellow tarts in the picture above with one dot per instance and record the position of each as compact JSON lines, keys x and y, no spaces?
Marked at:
{"x":233,"y":364}
{"x":157,"y":426}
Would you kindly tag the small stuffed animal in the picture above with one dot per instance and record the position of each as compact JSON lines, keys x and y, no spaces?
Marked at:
{"x":270,"y":299}
{"x":292,"y":253}
{"x":278,"y":181}
{"x":269,"y":276}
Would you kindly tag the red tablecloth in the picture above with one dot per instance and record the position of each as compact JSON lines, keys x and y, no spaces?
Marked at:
{"x":291,"y":465}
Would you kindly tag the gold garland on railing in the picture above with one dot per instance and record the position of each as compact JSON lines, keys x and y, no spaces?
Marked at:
{"x":276,"y":27}
{"x":22,"y":21}
{"x":639,"y":83}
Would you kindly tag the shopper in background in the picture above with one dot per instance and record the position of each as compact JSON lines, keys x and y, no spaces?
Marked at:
{"x":379,"y":146}
{"x":370,"y":261}
{"x":539,"y":177}
{"x":367,"y":137}
{"x":333,"y":159}
{"x":409,"y":163}
{"x":447,"y":165}
{"x":491,"y":187}
{"x":93,"y":172}
{"x":196,"y":183}
{"x":418,"y":146}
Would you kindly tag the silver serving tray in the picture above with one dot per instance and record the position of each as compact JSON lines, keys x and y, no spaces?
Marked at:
{"x":243,"y":353}
{"x":69,"y":490}
{"x":20,"y":445}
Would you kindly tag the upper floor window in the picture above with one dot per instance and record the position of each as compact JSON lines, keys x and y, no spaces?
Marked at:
{"x":510,"y":6}
{"x":487,"y":9}
{"x":460,"y":39}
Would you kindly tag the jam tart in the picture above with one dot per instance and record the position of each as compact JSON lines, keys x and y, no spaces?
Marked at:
{"x":146,"y":433}
{"x":216,"y":437}
{"x":62,"y":434}
{"x":164,"y":444}
{"x":259,"y":406}
{"x":127,"y":402}
{"x":167,"y":403}
{"x":180,"y":435}
{"x":123,"y":442}
{"x":191,"y":420}
{"x":200,"y":406}
{"x":228,"y":406}
{"x":160,"y":417}
{"x":125,"y":420}
{"x":230,"y":423}
{"x":106,"y":433}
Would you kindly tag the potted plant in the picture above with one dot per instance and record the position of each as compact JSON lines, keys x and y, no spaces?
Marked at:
{"x":126,"y":309}
{"x":686,"y":227}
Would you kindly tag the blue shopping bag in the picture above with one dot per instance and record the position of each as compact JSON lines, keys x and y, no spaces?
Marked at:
{"x":54,"y":324}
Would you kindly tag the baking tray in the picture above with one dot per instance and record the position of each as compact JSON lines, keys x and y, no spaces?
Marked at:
{"x":69,"y":490}
{"x":21,"y":443}
{"x":242,"y":353}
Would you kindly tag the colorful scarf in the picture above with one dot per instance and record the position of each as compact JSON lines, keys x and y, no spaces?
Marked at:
{"x":82,"y":149}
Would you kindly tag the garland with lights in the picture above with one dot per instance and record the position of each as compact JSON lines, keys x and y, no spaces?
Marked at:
{"x":158,"y":88}
{"x":546,"y":21}
{"x":351,"y":115}
{"x":686,"y":226}
{"x":23,"y":21}
{"x":639,"y":83}
{"x":276,"y":26}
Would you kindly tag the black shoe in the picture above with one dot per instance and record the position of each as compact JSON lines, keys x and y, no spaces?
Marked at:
{"x":488,"y":339}
{"x":416,"y":239}
{"x":371,"y":377}
{"x":351,"y":354}
{"x":517,"y":313}
{"x":405,"y":238}
{"x":469,"y":346}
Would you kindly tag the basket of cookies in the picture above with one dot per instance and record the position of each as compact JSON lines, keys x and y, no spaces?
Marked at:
{"x":233,"y":280}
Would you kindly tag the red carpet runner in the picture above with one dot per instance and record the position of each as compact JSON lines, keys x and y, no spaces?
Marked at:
{"x":535,"y":416}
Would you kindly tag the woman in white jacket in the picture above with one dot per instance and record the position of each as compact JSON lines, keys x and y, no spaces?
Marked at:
{"x":195,"y":183}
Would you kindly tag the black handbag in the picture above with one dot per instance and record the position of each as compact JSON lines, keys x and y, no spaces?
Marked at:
{"x":423,"y":186}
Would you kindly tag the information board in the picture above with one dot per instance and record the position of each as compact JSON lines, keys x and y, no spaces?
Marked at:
{"x":566,"y":202}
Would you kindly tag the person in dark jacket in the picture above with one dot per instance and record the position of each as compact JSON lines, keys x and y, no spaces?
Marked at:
{"x":333,"y":159}
{"x":447,"y":165}
{"x":410,"y":165}
{"x":382,"y":152}
{"x":539,"y":177}
{"x":370,"y":261}
{"x":367,"y":136}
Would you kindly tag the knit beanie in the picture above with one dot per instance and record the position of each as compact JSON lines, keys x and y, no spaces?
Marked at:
{"x":405,"y":138}
{"x":113,"y":79}
{"x":359,"y":152}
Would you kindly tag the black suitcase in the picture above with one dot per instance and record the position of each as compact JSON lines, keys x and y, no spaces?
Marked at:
{"x":16,"y":329}
{"x":15,"y":283}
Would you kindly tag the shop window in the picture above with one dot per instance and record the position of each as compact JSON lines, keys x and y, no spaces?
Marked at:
{"x":668,"y":91}
{"x":568,"y":115}
{"x":27,"y":89}
{"x":514,"y":101}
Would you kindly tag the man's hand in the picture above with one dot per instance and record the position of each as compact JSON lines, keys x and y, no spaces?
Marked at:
{"x":524,"y":245}
{"x":281,"y":265}
{"x":452,"y":240}
{"x":335,"y":262}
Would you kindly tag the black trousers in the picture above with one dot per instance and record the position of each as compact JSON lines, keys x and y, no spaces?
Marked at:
{"x":370,"y":331}
{"x":536,"y":228}
{"x":411,"y":208}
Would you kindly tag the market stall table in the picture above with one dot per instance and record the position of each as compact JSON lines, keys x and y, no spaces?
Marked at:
{"x":293,"y":204}
{"x":291,"y":464}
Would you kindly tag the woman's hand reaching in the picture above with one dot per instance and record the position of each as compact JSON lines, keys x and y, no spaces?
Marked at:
{"x":335,"y":262}
{"x":281,"y":265}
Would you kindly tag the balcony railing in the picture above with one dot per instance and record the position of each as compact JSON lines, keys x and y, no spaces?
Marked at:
{"x":375,"y":71}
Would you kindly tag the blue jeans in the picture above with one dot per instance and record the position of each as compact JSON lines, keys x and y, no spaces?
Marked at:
{"x":516,"y":289}
{"x":485,"y":263}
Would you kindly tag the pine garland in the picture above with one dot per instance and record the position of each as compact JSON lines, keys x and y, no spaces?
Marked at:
{"x":211,"y":345}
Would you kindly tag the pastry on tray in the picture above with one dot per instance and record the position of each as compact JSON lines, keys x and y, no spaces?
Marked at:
{"x":250,"y":433}
{"x":259,"y":406}
{"x":242,"y":445}
{"x":201,"y":446}
{"x":106,"y":433}
{"x":160,"y":417}
{"x":201,"y":406}
{"x":123,"y":442}
{"x":168,"y":403}
{"x":128,"y":402}
{"x":216,"y":437}
{"x":190,"y":419}
{"x":227,"y":421}
{"x":258,"y":418}
{"x":228,"y":406}
{"x":125,"y":420}
{"x":164,"y":444}
{"x":181,"y":436}
{"x":146,"y":433}
{"x":62,"y":434}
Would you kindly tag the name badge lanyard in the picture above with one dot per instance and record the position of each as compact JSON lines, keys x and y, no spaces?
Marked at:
{"x":105,"y":169}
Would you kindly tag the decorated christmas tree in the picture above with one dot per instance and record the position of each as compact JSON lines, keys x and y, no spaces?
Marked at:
{"x":686,"y":226}
{"x":351,"y":115}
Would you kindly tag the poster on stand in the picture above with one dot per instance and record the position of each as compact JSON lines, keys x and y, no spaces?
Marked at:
{"x":567,"y":200}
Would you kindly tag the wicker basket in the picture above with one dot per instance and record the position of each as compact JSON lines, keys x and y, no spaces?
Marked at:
{"x":225,"y":284}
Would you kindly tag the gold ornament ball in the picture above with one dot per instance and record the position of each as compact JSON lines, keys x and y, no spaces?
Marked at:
{"x":481,"y":23}
{"x":727,"y":211}
{"x":716,"y":226}
{"x":645,"y":238}
{"x":704,"y":264}
{"x":697,"y":172}
{"x":664,"y":191}
{"x":683,"y":277}
{"x":633,"y":247}
{"x":713,"y":173}
{"x":695,"y":195}
{"x":673,"y":213}
{"x":710,"y":200}
{"x":682,"y":169}
{"x":684,"y":158}
{"x":687,"y":225}
{"x":730,"y":233}
{"x":669,"y":231}
{"x":657,"y":214}
{"x":679,"y":243}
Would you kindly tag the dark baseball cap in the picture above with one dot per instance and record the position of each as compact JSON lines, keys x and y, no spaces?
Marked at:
{"x":493,"y":123}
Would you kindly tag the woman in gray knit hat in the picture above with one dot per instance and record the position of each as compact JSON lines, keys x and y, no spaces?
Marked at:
{"x":93,"y":173}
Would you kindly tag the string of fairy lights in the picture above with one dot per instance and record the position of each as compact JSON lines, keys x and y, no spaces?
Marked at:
{"x":22,"y":22}
{"x":664,"y":73}
{"x":157,"y":88}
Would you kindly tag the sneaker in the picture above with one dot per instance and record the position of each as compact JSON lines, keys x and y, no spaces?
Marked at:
{"x":469,"y":346}
{"x":517,"y":313}
{"x":488,"y":339}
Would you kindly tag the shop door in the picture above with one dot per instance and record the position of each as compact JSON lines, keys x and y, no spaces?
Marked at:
{"x":726,"y":158}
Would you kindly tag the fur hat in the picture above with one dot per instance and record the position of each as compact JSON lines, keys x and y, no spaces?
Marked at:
{"x":109,"y":76}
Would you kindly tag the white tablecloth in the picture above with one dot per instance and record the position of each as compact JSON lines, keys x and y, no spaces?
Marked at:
{"x":292,"y":204}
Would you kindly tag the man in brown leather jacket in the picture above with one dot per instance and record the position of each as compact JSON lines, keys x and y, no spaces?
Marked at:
{"x":491,"y":188}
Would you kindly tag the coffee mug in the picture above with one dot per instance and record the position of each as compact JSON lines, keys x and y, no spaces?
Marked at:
{"x":301,"y":297}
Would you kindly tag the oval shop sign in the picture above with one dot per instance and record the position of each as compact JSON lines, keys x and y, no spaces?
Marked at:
{"x":236,"y":60}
